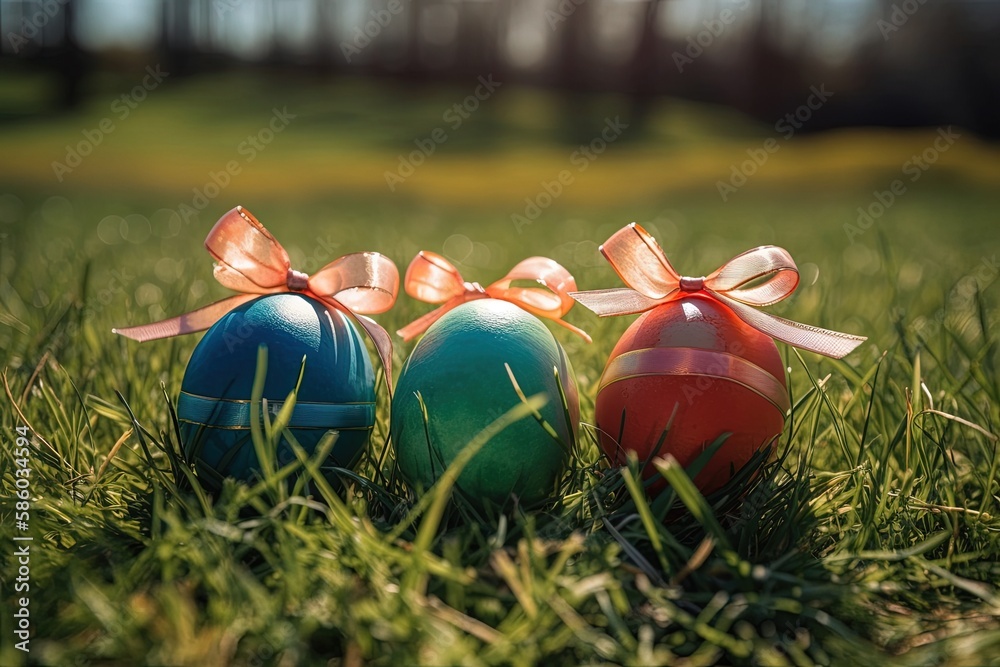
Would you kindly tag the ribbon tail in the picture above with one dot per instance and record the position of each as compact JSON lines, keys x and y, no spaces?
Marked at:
{"x":804,"y":336}
{"x":618,"y":301}
{"x":196,"y":320}
{"x":580,"y":332}
{"x":379,"y":336}
{"x":383,"y":345}
{"x":421,"y":324}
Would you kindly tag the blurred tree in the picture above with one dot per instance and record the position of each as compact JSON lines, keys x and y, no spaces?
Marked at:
{"x":648,"y":76}
{"x":572,"y":70}
{"x":480,"y":27}
{"x":415,"y":68}
{"x":771,"y":78}
{"x":44,"y":37}
{"x":176,"y":38}
{"x":326,"y":54}
{"x":71,"y":63}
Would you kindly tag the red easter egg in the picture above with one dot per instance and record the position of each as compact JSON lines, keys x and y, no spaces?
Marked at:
{"x":723,"y":376}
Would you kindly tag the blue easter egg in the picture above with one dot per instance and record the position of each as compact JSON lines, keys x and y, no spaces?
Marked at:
{"x":337,"y":392}
{"x":458,"y":368}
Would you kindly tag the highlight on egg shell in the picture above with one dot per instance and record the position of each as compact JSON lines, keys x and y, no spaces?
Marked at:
{"x":723,"y":376}
{"x":459,"y":370}
{"x":337,"y":392}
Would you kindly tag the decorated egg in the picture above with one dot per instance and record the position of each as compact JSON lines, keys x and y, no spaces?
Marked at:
{"x":337,"y":392}
{"x":701,"y":351}
{"x":722,"y":375}
{"x":458,"y":370}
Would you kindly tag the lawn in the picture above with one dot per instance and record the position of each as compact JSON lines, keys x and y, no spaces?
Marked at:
{"x":872,"y":534}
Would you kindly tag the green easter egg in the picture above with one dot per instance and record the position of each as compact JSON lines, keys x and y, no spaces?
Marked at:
{"x":458,"y":370}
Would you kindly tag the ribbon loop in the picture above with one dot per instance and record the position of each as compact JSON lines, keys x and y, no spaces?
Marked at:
{"x":365,"y":282}
{"x":758,"y":277}
{"x":553,"y":301}
{"x":250,"y":260}
{"x":635,"y":254}
{"x":433,"y":279}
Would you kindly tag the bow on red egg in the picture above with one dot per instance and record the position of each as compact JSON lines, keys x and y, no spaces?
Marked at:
{"x":758,"y":277}
{"x":251,"y":261}
{"x":432,"y":278}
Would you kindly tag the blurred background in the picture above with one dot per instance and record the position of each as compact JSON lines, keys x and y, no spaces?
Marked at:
{"x":891,"y":62}
{"x":860,"y":134}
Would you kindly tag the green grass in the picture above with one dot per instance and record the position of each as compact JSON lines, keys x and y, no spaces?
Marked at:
{"x":873,"y":535}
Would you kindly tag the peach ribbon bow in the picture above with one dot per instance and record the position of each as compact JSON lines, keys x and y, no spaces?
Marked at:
{"x":250,"y":260}
{"x":432,"y":278}
{"x":758,"y":277}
